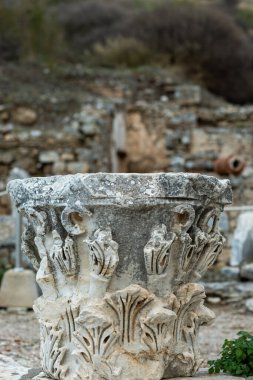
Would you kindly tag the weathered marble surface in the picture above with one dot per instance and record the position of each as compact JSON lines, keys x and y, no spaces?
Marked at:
{"x":116,"y":258}
{"x":10,"y":370}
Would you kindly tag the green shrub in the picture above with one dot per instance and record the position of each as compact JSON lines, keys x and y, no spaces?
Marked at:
{"x":236,"y":356}
{"x":142,"y":4}
{"x":29,"y":31}
{"x":215,"y":46}
{"x":121,"y":52}
{"x":245,"y":16}
{"x":86,"y":23}
{"x":206,"y":41}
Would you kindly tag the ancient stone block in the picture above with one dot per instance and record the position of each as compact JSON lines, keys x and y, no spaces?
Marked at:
{"x":18,"y":289}
{"x":242,"y":243}
{"x":247,"y":271}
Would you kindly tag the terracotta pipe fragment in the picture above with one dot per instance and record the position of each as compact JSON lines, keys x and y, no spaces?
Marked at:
{"x":232,"y":164}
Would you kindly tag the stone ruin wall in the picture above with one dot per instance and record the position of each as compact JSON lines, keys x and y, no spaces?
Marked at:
{"x":166,"y":128}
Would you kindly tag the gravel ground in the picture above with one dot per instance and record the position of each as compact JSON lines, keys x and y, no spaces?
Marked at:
{"x":19,"y":337}
{"x":19,"y":333}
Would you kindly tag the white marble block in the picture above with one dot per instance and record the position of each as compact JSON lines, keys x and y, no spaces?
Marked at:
{"x":117,"y":259}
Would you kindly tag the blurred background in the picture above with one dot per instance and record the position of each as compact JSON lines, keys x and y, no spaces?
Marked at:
{"x":127,"y":86}
{"x":132,"y":86}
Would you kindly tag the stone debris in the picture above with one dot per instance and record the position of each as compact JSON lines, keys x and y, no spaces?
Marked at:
{"x":213,"y":300}
{"x":169,"y":126}
{"x":10,"y":369}
{"x":188,"y":95}
{"x":247,"y":271}
{"x":7,"y":231}
{"x":6,"y":158}
{"x":25,"y":116}
{"x":18,"y":289}
{"x":242,"y":243}
{"x":229,"y":291}
{"x":77,"y":167}
{"x":249,"y":304}
{"x":224,"y":222}
{"x":48,"y":157}
{"x":230,"y":273}
{"x":203,"y":374}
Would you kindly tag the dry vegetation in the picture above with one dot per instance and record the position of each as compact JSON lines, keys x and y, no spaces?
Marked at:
{"x":212,"y":42}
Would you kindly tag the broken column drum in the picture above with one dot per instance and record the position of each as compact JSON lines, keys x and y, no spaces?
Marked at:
{"x":117,"y":257}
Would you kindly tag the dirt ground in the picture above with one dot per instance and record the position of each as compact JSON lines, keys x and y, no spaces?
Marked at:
{"x":19,"y":333}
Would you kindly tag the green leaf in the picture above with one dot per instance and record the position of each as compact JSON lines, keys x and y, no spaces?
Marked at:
{"x":211,"y":370}
{"x":236,"y":356}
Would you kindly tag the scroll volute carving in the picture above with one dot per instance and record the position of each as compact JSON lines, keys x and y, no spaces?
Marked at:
{"x":74,"y":219}
{"x":183,"y":218}
{"x":209,"y":220}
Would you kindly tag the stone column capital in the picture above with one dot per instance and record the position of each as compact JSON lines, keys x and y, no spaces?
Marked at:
{"x":117,"y":257}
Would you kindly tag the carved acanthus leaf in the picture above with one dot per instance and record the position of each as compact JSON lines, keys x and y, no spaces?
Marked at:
{"x":127,"y":305}
{"x":157,"y":250}
{"x":95,"y":339}
{"x":103,"y":253}
{"x":53,"y":353}
{"x":157,"y":328}
{"x":69,"y":320}
{"x":64,"y":255}
{"x":196,"y":256}
{"x":187,"y":303}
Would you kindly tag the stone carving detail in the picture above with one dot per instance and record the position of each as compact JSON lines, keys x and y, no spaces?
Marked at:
{"x":197,"y":254}
{"x":70,"y":324}
{"x":187,"y":303}
{"x":64,"y":256}
{"x":95,"y":341}
{"x":28,"y":246}
{"x":126,"y":305}
{"x":33,"y":235}
{"x":103,"y":260}
{"x":72,"y":218}
{"x":156,"y":251}
{"x":103,"y":253}
{"x":157,"y":255}
{"x":157,"y":329}
{"x":52,"y":352}
{"x":116,"y":257}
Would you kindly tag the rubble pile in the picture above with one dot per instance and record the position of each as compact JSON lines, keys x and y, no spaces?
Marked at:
{"x":168,"y":125}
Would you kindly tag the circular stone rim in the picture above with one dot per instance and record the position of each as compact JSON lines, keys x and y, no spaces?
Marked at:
{"x":122,"y":188}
